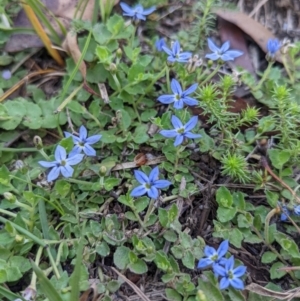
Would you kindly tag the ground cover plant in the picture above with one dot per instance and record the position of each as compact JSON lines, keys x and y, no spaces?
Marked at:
{"x":139,"y":178}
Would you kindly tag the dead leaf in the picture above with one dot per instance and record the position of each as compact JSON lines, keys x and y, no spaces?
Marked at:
{"x":255,"y":30}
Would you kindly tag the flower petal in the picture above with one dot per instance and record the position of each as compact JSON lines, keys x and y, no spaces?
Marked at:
{"x":153,"y":176}
{"x":231,"y":55}
{"x":67,"y":171}
{"x":239,"y":271}
{"x":88,"y":150}
{"x":149,"y":10}
{"x":175,"y":87}
{"x":166,"y":99}
{"x":140,"y":16}
{"x":169,"y":133}
{"x":60,"y":153}
{"x":225,"y":47}
{"x":204,"y":262}
{"x":82,"y":133}
{"x":138,"y":191}
{"x":223,"y":248}
{"x":75,"y":159}
{"x":185,"y":55}
{"x":178,"y":105}
{"x":77,"y":149}
{"x":190,"y":90}
{"x":212,"y":46}
{"x":212,"y":56}
{"x":229,"y":263}
{"x":171,"y":59}
{"x":176,"y":48}
{"x":47,"y":164}
{"x":209,"y":251}
{"x":178,"y":140}
{"x":93,"y":139}
{"x":237,"y":283}
{"x":177,"y":124}
{"x":190,"y":101}
{"x":167,"y":50}
{"x":162,"y":184}
{"x":126,"y":8}
{"x":191,"y":123}
{"x":224,"y":283}
{"x":218,"y":270}
{"x":141,"y":177}
{"x":153,"y":193}
{"x":53,"y":174}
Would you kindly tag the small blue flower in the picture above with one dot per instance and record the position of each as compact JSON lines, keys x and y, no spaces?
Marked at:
{"x":83,"y":143}
{"x":159,"y":44}
{"x":179,"y":97}
{"x":231,"y":276}
{"x":222,"y":53}
{"x":149,"y":185}
{"x":181,"y":131}
{"x":297,"y":210}
{"x":273,"y":46}
{"x":62,"y":164}
{"x":136,"y":12}
{"x":214,"y":257}
{"x":285,"y":212}
{"x":175,"y":55}
{"x":6,"y":74}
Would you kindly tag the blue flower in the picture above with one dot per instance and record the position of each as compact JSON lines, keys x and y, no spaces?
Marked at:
{"x":181,"y":131}
{"x":175,"y":55}
{"x":149,"y":185}
{"x":273,"y":46}
{"x":231,"y":276}
{"x":160,"y":43}
{"x":214,"y":257}
{"x":83,"y":143}
{"x":222,"y":53}
{"x":297,"y":210}
{"x":6,"y":74}
{"x":137,"y":12}
{"x":179,"y":97}
{"x":62,"y":164}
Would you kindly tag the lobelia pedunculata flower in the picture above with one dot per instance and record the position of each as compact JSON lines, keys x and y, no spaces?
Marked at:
{"x":180,"y":131}
{"x":179,"y":98}
{"x":137,"y":12}
{"x":273,"y":45}
{"x":222,"y":53}
{"x":159,"y":44}
{"x":230,"y":276}
{"x":83,"y":142}
{"x":149,"y":185}
{"x":175,"y":54}
{"x":62,"y":164}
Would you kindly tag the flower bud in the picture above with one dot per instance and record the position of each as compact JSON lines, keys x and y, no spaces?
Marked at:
{"x":200,"y":296}
{"x":38,"y":142}
{"x":210,"y":63}
{"x":113,"y":68}
{"x":102,"y":171}
{"x":119,"y":53}
{"x":19,"y":238}
{"x":10,"y":197}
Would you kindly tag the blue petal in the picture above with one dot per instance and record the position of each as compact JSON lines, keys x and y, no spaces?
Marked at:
{"x":167,"y":50}
{"x":177,"y":124}
{"x":82,"y":133}
{"x":171,"y":59}
{"x":75,"y":138}
{"x":190,"y":101}
{"x":178,"y":104}
{"x":153,"y":176}
{"x":209,"y":251}
{"x":141,"y":177}
{"x":185,"y":55}
{"x":140,"y":17}
{"x":229,"y":263}
{"x":166,"y":99}
{"x":223,"y":248}
{"x":161,"y":184}
{"x":212,"y":46}
{"x":75,"y":159}
{"x":47,"y":164}
{"x":153,"y":193}
{"x":67,"y":171}
{"x":132,"y":14}
{"x":178,"y":140}
{"x":231,"y":55}
{"x":239,"y":271}
{"x":191,"y":124}
{"x":77,"y":149}
{"x":175,"y":87}
{"x":138,"y":191}
{"x":297,"y":210}
{"x":169,"y":133}
{"x":53,"y":174}
{"x":159,"y":44}
{"x":224,"y":283}
{"x":149,"y":10}
{"x":225,"y":47}
{"x":126,"y":8}
{"x":93,"y":139}
{"x":88,"y":150}
{"x":218,"y":270}
{"x":60,"y":153}
{"x":212,"y":56}
{"x":190,"y":90}
{"x":237,"y":283}
{"x":204,"y":262}
{"x":176,"y":48}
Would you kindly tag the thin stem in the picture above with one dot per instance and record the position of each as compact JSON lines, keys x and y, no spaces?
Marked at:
{"x":150,"y":209}
{"x":18,"y":150}
{"x":264,"y":77}
{"x":211,"y":75}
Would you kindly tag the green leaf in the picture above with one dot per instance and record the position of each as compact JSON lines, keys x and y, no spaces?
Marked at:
{"x":75,"y":107}
{"x":161,"y":260}
{"x":210,"y":290}
{"x":33,"y":117}
{"x":173,"y":295}
{"x":226,"y":214}
{"x":46,"y":286}
{"x":268,"y":257}
{"x":113,"y":286}
{"x":135,"y":72}
{"x":138,"y":267}
{"x":140,"y":134}
{"x":121,"y":257}
{"x":3,"y":276}
{"x":224,"y":197}
{"x":141,"y":203}
{"x":103,"y":54}
{"x":115,"y":24}
{"x":125,"y":119}
{"x":4,"y":176}
{"x":163,"y":217}
{"x":101,"y":33}
{"x":274,"y":273}
{"x":272,"y":198}
{"x":16,"y":110}
{"x":279,"y":157}
{"x":8,"y":294}
{"x":239,"y":200}
{"x":170,"y":236}
{"x":235,"y":295}
{"x":110,"y":183}
{"x":188,"y":260}
{"x":62,"y":187}
{"x":185,"y":240}
{"x":20,"y":262}
{"x":103,"y":249}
